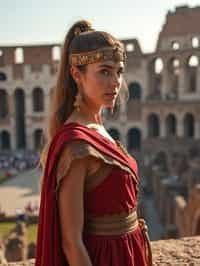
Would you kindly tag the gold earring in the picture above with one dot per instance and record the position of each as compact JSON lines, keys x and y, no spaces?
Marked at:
{"x":78,"y":101}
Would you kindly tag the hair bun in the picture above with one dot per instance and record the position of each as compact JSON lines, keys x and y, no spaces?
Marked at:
{"x":82,"y":26}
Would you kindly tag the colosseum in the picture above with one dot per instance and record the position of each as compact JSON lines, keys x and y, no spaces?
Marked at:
{"x":164,"y":90}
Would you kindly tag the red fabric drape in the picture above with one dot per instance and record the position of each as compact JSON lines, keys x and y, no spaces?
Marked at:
{"x":48,"y":248}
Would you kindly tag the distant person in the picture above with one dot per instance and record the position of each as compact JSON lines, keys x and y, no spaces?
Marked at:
{"x":88,"y":210}
{"x":20,"y":215}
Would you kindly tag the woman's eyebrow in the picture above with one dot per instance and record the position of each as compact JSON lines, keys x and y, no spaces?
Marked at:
{"x":110,"y":67}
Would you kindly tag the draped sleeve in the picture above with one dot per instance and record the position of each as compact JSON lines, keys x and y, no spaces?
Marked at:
{"x":78,"y":149}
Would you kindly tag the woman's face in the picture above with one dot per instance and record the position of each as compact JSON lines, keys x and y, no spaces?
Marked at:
{"x":101,"y":83}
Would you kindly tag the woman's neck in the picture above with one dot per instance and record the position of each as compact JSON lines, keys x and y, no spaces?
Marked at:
{"x":86,"y":116}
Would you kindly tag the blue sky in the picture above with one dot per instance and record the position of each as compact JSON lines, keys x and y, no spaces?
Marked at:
{"x":47,"y":21}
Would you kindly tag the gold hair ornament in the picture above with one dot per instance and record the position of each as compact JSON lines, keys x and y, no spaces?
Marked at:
{"x":107,"y":53}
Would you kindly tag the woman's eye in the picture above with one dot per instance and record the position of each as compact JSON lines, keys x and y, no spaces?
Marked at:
{"x":105,"y":72}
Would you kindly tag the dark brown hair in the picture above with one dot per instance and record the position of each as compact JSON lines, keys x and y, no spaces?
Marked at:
{"x":65,"y":90}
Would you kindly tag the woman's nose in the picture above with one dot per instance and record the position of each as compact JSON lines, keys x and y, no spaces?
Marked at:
{"x":116,"y":81}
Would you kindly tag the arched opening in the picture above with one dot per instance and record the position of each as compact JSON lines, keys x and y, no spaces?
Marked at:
{"x":114,"y":133}
{"x":195,"y":42}
{"x":3,"y":76}
{"x":20,"y":119}
{"x":56,"y":53}
{"x":38,"y":139}
{"x":5,"y":140}
{"x":19,"y":56}
{"x":175,"y":45}
{"x":134,"y":139}
{"x":135,"y":91}
{"x":3,"y":104}
{"x":130,"y":47}
{"x":192,"y":67}
{"x":171,"y":125}
{"x":188,"y":122}
{"x":155,"y":78}
{"x":153,"y":125}
{"x":38,"y":100}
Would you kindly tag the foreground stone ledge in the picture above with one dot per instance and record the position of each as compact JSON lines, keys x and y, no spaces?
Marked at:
{"x":172,"y":252}
{"x":177,"y":252}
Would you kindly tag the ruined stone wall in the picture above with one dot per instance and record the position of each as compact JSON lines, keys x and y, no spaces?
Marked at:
{"x":172,"y":252}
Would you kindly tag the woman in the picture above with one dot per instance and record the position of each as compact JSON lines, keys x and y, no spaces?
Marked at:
{"x":90,"y":186}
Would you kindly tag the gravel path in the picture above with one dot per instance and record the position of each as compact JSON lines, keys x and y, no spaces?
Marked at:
{"x":17,"y":192}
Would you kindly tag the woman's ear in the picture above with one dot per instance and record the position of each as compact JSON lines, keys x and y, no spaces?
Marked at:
{"x":75,"y":73}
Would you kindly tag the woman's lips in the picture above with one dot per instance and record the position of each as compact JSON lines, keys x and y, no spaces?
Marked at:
{"x":111,"y":95}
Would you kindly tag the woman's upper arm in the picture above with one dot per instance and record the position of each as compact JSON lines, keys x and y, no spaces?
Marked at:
{"x":70,"y":202}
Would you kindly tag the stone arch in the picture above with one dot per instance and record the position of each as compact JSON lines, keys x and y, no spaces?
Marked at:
{"x":5,"y":140}
{"x":153,"y":125}
{"x":135,"y":90}
{"x":19,"y":100}
{"x":192,"y":68}
{"x":3,"y":103}
{"x":38,"y":100}
{"x":37,"y":139}
{"x":155,"y":69}
{"x":115,"y":134}
{"x":134,"y":139}
{"x":189,"y":125}
{"x":171,"y":124}
{"x":3,"y":76}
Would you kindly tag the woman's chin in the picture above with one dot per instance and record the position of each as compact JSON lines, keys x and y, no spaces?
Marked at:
{"x":110,"y":104}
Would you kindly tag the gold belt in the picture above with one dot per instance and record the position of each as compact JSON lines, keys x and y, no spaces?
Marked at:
{"x":117,"y":224}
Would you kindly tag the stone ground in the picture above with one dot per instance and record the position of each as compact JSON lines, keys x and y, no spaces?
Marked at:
{"x":177,"y":252}
{"x":172,"y":252}
{"x":18,"y":191}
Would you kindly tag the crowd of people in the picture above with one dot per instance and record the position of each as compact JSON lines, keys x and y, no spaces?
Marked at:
{"x":18,"y":161}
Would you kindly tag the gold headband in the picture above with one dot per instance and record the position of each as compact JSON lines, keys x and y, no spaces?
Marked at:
{"x":107,"y":53}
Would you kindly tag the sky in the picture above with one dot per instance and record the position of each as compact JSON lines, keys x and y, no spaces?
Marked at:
{"x":47,"y":21}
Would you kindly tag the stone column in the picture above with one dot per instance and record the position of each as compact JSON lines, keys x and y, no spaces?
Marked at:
{"x":197,"y":129}
{"x":182,"y":80}
{"x":180,"y":129}
{"x":162,"y":129}
{"x":46,"y":103}
{"x":165,"y":83}
{"x":13,"y":142}
{"x":28,"y":120}
{"x":198,"y":80}
{"x":144,"y":128}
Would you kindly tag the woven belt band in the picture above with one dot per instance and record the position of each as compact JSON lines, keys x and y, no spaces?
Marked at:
{"x":119,"y":224}
{"x":112,"y":225}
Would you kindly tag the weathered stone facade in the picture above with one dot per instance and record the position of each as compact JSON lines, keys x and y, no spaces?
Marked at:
{"x":164,"y":89}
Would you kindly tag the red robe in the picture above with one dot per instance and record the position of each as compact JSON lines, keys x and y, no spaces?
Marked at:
{"x":116,"y":193}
